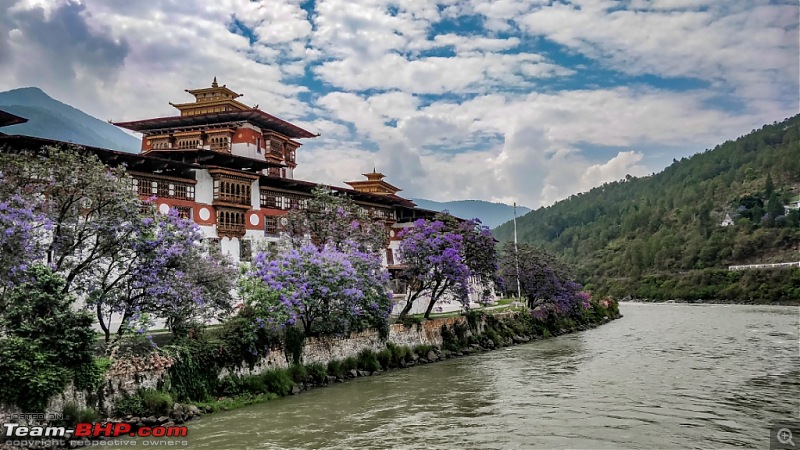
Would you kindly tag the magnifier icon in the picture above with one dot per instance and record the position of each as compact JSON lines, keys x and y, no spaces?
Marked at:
{"x":784,"y":436}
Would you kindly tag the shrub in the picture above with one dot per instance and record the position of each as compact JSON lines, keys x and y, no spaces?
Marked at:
{"x":245,"y":339}
{"x":411,"y":321}
{"x":155,"y":402}
{"x":368,"y":361}
{"x":295,"y":341}
{"x":494,"y":337}
{"x":399,"y":353}
{"x":129,"y":404}
{"x":336,"y":368}
{"x":230,"y":385}
{"x":461,"y":330}
{"x":89,"y":377}
{"x":317,"y":372}
{"x":349,"y":364}
{"x":194,"y":375}
{"x":449,"y":340}
{"x":423,"y":349}
{"x":278,"y":381}
{"x":473,"y":319}
{"x":298,"y":373}
{"x":385,"y":358}
{"x":253,"y":384}
{"x":73,"y":414}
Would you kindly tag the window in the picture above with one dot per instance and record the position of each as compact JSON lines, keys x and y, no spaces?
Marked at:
{"x":230,"y":222}
{"x":232,"y":190}
{"x":184,"y":212}
{"x":258,"y":145}
{"x":268,"y":199}
{"x":270,"y":226}
{"x":245,"y":250}
{"x":148,"y":186}
{"x":280,"y":200}
{"x":389,"y":257}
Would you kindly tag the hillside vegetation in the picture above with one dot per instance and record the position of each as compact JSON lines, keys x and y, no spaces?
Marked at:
{"x":656,"y":231}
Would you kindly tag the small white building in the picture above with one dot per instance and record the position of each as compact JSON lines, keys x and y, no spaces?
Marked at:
{"x":727,"y":221}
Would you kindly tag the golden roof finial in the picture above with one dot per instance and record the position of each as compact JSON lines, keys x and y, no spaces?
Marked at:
{"x":214,"y":83}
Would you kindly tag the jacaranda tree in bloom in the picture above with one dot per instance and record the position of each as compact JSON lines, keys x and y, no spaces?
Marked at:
{"x":324,"y":290}
{"x":441,"y":259}
{"x":163,"y":271}
{"x":547,"y":284}
{"x":22,"y":231}
{"x":334,"y":220}
{"x":140,"y":267}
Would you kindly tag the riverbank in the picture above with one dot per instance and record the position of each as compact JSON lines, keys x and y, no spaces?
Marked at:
{"x":789,"y":302}
{"x":748,"y":287}
{"x":174,"y":386}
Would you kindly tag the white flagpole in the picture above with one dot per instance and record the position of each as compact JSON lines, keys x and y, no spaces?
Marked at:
{"x":516,"y":253}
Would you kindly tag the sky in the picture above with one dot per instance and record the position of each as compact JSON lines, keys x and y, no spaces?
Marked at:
{"x":507,"y":100}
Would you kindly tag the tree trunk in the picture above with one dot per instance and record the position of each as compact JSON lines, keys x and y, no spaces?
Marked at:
{"x":102,"y":323}
{"x":407,"y":308}
{"x":435,"y":294}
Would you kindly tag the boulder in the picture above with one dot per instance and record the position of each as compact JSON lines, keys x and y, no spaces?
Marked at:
{"x":352,"y":373}
{"x":193,"y":411}
{"x":178,"y":411}
{"x":330,"y":379}
{"x":363,"y":373}
{"x":431,"y":356}
{"x":163,"y":420}
{"x":150,"y":421}
{"x":295,"y":390}
{"x":423,"y":361}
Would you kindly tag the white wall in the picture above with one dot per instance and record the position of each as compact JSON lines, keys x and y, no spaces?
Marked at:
{"x":230,"y":247}
{"x":204,"y":190}
{"x":255,"y":195}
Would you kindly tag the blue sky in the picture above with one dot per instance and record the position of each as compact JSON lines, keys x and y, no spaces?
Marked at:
{"x":508,"y":100}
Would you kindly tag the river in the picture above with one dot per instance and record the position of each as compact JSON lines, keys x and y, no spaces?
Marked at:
{"x":664,"y":376}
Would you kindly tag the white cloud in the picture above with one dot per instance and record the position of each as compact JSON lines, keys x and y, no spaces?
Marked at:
{"x":483,"y":113}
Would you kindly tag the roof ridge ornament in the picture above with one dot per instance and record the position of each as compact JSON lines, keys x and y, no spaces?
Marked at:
{"x":214,"y":83}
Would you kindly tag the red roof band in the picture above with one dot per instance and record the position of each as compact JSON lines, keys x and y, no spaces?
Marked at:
{"x":256,"y":116}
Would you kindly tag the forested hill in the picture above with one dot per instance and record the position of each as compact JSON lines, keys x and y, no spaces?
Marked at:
{"x":671,"y":222}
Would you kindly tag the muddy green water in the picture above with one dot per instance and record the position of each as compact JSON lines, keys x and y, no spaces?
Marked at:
{"x":664,"y":376}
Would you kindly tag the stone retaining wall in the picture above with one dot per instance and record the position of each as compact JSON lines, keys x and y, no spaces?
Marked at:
{"x":126,"y":376}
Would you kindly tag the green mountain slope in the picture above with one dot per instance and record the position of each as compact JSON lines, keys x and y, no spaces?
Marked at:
{"x":670,"y":222}
{"x":491,"y":214}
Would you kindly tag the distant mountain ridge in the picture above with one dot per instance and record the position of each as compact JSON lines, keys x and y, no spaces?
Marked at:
{"x":51,"y":119}
{"x":491,"y":214}
{"x":677,"y":220}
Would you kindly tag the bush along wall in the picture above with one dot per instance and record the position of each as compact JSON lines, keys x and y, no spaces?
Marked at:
{"x":203,"y":380}
{"x":198,"y":376}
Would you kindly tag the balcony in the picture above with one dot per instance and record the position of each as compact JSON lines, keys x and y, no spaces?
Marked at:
{"x":220,"y":147}
{"x":232,"y":230}
{"x":238,"y":199}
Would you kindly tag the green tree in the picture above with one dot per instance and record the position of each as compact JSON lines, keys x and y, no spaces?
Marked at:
{"x":45,"y":342}
{"x":769,"y":187}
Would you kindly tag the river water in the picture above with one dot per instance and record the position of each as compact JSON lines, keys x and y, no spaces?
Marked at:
{"x":664,"y":376}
